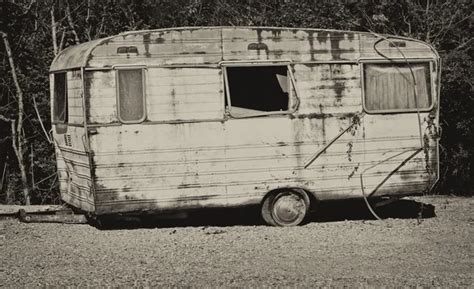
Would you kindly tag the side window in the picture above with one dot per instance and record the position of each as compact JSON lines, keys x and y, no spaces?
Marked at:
{"x":258,"y":90}
{"x":130,"y":95}
{"x":60,"y":108}
{"x":389,"y":87}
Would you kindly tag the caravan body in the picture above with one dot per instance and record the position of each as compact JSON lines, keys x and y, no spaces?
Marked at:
{"x":188,"y":118}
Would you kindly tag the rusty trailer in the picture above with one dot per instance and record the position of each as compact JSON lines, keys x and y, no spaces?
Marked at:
{"x":187,"y":118}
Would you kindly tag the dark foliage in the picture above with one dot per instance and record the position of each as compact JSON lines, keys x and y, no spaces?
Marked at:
{"x":445,"y":24}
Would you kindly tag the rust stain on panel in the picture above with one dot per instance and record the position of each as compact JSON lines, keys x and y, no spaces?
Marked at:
{"x":311,"y":44}
{"x":335,"y":42}
{"x":146,"y":43}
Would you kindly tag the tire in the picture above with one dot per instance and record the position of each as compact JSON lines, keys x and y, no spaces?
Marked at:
{"x":285,"y":208}
{"x":266,"y":210}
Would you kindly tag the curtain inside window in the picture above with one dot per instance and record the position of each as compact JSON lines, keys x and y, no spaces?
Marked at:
{"x":390,"y":86}
{"x":131,"y":95}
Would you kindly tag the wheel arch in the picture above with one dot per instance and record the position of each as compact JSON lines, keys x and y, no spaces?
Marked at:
{"x":313,"y":200}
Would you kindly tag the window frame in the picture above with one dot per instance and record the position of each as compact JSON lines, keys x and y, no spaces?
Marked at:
{"x":55,"y":118}
{"x":293,"y":101}
{"x":398,"y":61}
{"x":142,"y":68}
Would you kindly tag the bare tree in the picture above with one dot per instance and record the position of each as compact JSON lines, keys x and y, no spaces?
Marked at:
{"x":430,"y":21}
{"x":54,"y":26}
{"x":71,"y":23}
{"x":18,"y":139}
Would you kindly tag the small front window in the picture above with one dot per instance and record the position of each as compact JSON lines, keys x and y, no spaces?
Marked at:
{"x":258,"y":90}
{"x":390,"y":87}
{"x":60,"y":109}
{"x":131,"y":97}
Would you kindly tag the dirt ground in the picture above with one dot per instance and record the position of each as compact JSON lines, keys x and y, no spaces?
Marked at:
{"x":425,"y":241}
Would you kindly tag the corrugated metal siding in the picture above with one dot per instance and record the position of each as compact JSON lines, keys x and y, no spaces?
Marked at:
{"x":184,"y":94}
{"x":142,"y":165}
{"x":73,"y":168}
{"x":196,"y":164}
{"x":328,"y":88}
{"x":101,"y":96}
{"x":398,"y":134}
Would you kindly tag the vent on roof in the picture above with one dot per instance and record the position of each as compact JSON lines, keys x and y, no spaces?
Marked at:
{"x":397,"y":44}
{"x":257,"y":46}
{"x":127,"y":50}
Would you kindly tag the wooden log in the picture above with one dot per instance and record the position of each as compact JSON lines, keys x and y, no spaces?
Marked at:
{"x":59,"y":218}
{"x":14,"y":209}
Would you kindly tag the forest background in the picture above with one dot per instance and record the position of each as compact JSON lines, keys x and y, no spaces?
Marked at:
{"x":33,"y":32}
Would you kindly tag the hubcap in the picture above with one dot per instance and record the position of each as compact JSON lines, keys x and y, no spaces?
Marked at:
{"x":289,"y":208}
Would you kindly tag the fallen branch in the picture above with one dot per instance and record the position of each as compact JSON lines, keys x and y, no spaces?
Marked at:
{"x":6,"y":210}
{"x":58,"y":218}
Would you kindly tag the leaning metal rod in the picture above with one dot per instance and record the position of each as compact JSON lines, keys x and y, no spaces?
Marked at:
{"x":323,"y":149}
{"x":384,"y":180}
{"x":382,"y":38}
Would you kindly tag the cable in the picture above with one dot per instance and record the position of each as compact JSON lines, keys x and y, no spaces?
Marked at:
{"x":415,"y":95}
{"x":365,"y":196}
{"x":422,"y":144}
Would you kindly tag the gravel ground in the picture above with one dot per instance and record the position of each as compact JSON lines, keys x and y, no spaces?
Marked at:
{"x":340,"y":246}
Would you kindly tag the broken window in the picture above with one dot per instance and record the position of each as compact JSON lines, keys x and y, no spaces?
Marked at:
{"x":60,"y":109}
{"x":131,"y":97}
{"x":390,"y":87}
{"x":258,"y":90}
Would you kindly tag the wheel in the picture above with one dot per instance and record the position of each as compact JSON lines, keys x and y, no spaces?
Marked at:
{"x":285,"y":208}
{"x":266,"y":210}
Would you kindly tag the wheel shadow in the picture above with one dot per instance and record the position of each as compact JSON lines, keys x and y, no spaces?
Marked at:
{"x":330,"y":211}
{"x":249,"y":216}
{"x":352,"y":210}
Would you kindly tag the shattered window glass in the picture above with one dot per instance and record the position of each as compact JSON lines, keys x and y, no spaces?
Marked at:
{"x":258,"y":89}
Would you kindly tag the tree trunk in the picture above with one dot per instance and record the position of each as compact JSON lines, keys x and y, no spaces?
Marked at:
{"x":53,"y":31}
{"x":18,"y":140}
{"x":6,"y":187}
{"x":71,"y":23}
